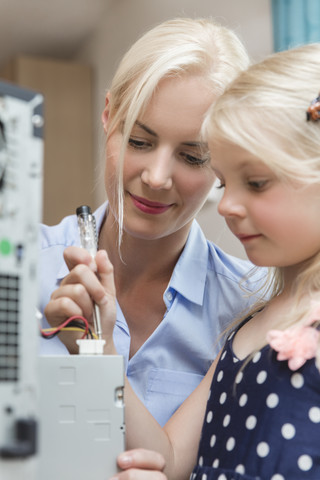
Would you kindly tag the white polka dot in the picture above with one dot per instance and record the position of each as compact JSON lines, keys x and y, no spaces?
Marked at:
{"x":226,"y":420}
{"x":223,"y":355}
{"x":231,"y":335}
{"x":222,"y":477}
{"x":215,"y":463}
{"x":223,"y":397}
{"x":288,"y":431}
{"x":314,"y":414}
{"x":305,"y":462}
{"x":209,"y":416}
{"x":277,"y":476}
{"x":230,"y":444}
{"x":256,"y":357}
{"x":263,"y":449}
{"x":235,"y":360}
{"x":251,"y":422}
{"x":272,"y":400}
{"x":239,"y":377}
{"x":204,"y":477}
{"x":261,"y":377}
{"x":297,"y":380}
{"x":240,"y":469}
{"x":243,"y":400}
{"x":213,"y":441}
{"x":200,"y":461}
{"x":220,"y":376}
{"x":209,"y":395}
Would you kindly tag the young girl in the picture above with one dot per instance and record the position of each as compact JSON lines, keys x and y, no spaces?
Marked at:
{"x":262,"y":418}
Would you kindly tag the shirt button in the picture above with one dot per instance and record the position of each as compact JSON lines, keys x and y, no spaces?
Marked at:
{"x":169,"y":296}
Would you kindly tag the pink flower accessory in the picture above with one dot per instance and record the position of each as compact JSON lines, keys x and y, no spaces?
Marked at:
{"x":298,"y":343}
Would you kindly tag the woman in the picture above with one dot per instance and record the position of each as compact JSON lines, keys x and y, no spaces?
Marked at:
{"x":173,"y":286}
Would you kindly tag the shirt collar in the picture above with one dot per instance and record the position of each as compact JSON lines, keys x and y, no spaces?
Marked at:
{"x":189,"y":275}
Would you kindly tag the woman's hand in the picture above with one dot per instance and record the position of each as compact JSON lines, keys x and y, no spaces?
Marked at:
{"x":140,"y":464}
{"x":89,"y":281}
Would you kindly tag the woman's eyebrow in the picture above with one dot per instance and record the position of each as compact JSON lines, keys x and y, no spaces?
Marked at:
{"x":145,"y":128}
{"x":188,"y":144}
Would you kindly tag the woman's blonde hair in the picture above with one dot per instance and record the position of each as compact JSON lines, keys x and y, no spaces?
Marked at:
{"x":173,"y":48}
{"x":264,"y":112}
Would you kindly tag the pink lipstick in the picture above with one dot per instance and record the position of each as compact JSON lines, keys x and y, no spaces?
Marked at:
{"x":148,"y":206}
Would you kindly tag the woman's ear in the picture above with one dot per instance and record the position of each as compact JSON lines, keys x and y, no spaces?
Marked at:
{"x":105,"y":113}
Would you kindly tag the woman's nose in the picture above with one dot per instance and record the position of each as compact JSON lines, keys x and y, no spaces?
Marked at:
{"x":157,"y":173}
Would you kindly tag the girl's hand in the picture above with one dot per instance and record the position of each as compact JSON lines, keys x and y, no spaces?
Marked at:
{"x":89,"y":281}
{"x":140,"y":464}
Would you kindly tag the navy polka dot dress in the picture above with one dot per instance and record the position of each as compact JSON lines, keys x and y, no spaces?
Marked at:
{"x":262,"y":421}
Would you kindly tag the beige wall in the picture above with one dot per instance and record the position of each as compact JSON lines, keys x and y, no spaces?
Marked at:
{"x":125,"y":21}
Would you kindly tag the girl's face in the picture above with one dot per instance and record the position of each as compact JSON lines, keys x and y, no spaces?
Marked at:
{"x":167,"y":173}
{"x":276,"y":221}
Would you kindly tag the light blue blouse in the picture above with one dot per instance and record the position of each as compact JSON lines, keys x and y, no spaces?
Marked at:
{"x":202,"y":298}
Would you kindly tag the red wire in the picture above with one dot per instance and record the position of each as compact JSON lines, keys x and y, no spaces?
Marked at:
{"x":66,"y":322}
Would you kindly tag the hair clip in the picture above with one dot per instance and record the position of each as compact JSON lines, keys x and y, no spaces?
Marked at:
{"x":313,"y":112}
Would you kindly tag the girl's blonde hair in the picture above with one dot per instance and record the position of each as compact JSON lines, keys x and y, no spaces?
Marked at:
{"x":264,"y":112}
{"x":174,"y":48}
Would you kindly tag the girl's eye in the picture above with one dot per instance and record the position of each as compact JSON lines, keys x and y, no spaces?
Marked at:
{"x":222,"y":185}
{"x":138,"y":144}
{"x":195,"y":160}
{"x":257,"y":184}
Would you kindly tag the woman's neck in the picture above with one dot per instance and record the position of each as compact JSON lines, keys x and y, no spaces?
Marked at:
{"x":141,"y":258}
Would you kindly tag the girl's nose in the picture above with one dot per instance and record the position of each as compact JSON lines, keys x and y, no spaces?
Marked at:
{"x":157,"y":173}
{"x":231,"y":205}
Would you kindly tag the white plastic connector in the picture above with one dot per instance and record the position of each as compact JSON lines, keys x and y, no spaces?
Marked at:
{"x":90,"y":346}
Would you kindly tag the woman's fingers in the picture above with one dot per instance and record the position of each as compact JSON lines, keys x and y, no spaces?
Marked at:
{"x":82,"y":275}
{"x":86,"y":284}
{"x":105,"y":272}
{"x":73,"y":256}
{"x":106,"y":300}
{"x":59,"y":309}
{"x":95,"y":275}
{"x":66,"y":302}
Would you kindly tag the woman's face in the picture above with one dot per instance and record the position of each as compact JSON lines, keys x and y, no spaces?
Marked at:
{"x":166,"y":172}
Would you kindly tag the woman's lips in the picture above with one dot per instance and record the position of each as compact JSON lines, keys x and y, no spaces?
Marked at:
{"x":148,"y":206}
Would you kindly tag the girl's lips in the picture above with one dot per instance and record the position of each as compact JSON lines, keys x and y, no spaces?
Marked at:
{"x":246,"y":238}
{"x":148,"y":206}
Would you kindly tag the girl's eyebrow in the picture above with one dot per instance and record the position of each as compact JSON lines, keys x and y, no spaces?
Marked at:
{"x":197,"y":144}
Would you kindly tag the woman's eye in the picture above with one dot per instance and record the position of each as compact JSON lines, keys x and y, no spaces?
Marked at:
{"x":138,"y":144}
{"x":194,"y":159}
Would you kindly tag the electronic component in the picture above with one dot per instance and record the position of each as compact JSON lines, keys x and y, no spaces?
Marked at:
{"x":21,"y":153}
{"x":82,"y":416}
{"x":61,"y":416}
